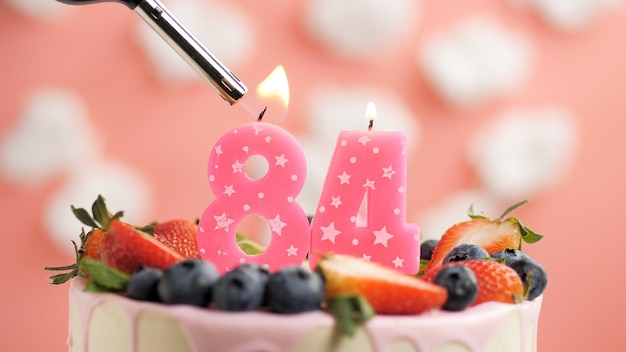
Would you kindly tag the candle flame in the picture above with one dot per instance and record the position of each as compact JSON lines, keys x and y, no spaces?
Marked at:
{"x":275,"y":85}
{"x":370,"y":113}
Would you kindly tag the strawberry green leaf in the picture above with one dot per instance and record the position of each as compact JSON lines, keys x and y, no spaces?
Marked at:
{"x":83,"y":216}
{"x":350,"y":311}
{"x":508,"y":210}
{"x":104,"y":277}
{"x":423,"y":265}
{"x":528,"y":235}
{"x":472,"y":215}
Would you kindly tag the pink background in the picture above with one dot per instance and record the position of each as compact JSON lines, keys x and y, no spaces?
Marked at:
{"x":92,"y":51}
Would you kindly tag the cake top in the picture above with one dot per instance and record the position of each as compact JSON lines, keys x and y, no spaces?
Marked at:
{"x":474,"y":262}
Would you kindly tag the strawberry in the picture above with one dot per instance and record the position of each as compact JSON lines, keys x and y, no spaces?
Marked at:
{"x":90,"y":242}
{"x":496,"y":281}
{"x":180,"y":235}
{"x":388,"y":291}
{"x":126,"y":248}
{"x":493,"y":235}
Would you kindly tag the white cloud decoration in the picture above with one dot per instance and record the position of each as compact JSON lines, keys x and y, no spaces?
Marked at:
{"x":334,"y":109}
{"x":569,"y":15}
{"x":39,"y":9}
{"x":475,"y":61}
{"x":356,"y":29}
{"x":53,"y":134}
{"x":524,"y":151}
{"x":122,"y":187}
{"x":224,"y":29}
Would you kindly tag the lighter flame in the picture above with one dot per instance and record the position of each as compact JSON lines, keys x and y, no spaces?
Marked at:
{"x":275,"y":85}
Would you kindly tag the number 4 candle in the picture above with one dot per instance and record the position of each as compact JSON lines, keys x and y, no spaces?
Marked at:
{"x":362,"y":208}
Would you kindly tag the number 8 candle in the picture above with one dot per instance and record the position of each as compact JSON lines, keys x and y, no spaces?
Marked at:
{"x":367,"y":168}
{"x":271,"y":196}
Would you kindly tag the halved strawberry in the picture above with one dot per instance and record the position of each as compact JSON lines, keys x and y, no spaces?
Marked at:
{"x":180,"y":235}
{"x":125,"y":248}
{"x":496,"y":281}
{"x":493,"y":235}
{"x":98,"y":221}
{"x":388,"y":291}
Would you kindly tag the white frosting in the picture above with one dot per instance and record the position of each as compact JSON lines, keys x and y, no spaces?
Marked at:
{"x":109,"y":322}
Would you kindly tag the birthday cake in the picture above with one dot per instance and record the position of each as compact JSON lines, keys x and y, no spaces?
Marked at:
{"x":146,"y":289}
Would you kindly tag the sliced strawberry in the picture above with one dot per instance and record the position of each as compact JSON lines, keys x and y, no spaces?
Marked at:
{"x":496,"y":281}
{"x":493,"y":235}
{"x":180,"y":235}
{"x":388,"y":291}
{"x":125,"y":248}
{"x":98,"y":221}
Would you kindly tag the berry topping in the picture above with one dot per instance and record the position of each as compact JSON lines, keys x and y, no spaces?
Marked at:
{"x":533,"y":275}
{"x":125,"y":248}
{"x":180,"y":235}
{"x":492,"y":235}
{"x":294,"y":289}
{"x":188,"y":282}
{"x":142,"y":284}
{"x":509,"y":255}
{"x":426,"y":249}
{"x":388,"y":291}
{"x":496,"y":282}
{"x":465,"y":251}
{"x":461,"y":284}
{"x":242,"y":288}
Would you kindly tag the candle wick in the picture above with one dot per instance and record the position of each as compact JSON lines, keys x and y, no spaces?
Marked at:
{"x":371,"y":124}
{"x":261,"y":115}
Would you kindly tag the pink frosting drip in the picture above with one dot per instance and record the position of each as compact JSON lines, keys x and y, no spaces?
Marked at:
{"x":254,"y":331}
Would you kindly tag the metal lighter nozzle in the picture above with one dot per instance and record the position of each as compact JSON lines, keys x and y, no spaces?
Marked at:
{"x":227,"y":85}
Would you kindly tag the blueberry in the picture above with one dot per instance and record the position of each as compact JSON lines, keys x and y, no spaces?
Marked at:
{"x":510,"y":255}
{"x":242,"y":288}
{"x":533,"y":276}
{"x":426,"y":249}
{"x":188,"y":282}
{"x":295,"y":289}
{"x":142,"y":284}
{"x":461,"y":284}
{"x":465,"y":252}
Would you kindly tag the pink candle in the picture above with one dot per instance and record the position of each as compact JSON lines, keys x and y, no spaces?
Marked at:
{"x":362,"y":209}
{"x":271,"y":197}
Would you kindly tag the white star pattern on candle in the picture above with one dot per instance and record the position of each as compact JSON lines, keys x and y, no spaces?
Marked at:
{"x":229,"y":190}
{"x":257,"y":129}
{"x":388,"y":172}
{"x":367,"y":257}
{"x":237,"y":167}
{"x":382,"y":236}
{"x":364,"y":139}
{"x":276,"y":225}
{"x":398,"y":263}
{"x":281,"y":160}
{"x":330,"y":232}
{"x":403,"y":152}
{"x":222,"y":221}
{"x":369,"y":184}
{"x":344,"y":178}
{"x":292,"y":251}
{"x":218,"y":150}
{"x":336,"y":201}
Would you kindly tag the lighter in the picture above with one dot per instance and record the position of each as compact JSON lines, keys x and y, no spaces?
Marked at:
{"x":227,"y":85}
